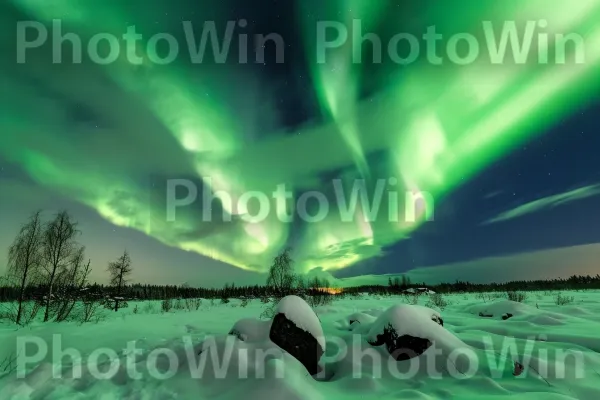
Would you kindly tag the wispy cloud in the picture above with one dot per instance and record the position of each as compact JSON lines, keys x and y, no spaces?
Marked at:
{"x":546,"y":203}
{"x":543,"y":264}
{"x":493,"y":194}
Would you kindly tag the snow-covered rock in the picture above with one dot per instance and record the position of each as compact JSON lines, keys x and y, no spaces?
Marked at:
{"x":296,"y":329}
{"x":406,"y":330}
{"x":410,"y":330}
{"x":302,"y":315}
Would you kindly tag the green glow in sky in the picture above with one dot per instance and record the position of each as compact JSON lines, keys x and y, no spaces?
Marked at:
{"x":434,"y":129}
{"x":337,"y":82}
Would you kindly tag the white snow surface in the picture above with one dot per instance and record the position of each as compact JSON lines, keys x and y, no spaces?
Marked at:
{"x":364,"y":371}
{"x":299,"y":312}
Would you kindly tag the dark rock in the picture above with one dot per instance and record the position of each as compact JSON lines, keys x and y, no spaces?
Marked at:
{"x":437,"y":320}
{"x":518,"y":369}
{"x":237,"y":334}
{"x":297,"y":342}
{"x":506,"y":316}
{"x":402,"y":347}
{"x":486,"y":315}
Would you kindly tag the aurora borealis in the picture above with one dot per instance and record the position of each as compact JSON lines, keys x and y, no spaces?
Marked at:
{"x":107,"y":137}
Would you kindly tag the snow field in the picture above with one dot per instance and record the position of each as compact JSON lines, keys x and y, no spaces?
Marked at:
{"x":557,"y":344}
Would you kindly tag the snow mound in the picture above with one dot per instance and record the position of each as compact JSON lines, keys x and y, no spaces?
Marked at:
{"x":361,"y":318}
{"x":251,"y":330}
{"x":299,"y":312}
{"x":502,"y":307}
{"x":357,"y":322}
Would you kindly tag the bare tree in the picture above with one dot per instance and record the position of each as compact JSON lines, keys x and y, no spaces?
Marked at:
{"x":281,"y":274}
{"x":24,"y":258}
{"x":59,"y":247}
{"x":91,"y":300}
{"x":9,"y":364}
{"x":72,"y":282}
{"x":119,"y":273}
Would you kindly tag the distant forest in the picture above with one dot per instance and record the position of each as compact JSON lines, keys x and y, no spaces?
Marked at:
{"x":396,"y":286}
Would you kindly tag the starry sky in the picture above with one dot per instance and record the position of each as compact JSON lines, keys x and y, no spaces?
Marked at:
{"x":504,"y":156}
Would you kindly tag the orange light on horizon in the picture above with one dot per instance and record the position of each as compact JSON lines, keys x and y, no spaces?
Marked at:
{"x":331,"y":290}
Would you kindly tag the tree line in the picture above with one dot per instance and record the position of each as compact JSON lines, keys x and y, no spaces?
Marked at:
{"x":132,"y":292}
{"x":400,"y":285}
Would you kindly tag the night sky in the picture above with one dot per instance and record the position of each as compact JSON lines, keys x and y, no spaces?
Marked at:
{"x":508,"y":153}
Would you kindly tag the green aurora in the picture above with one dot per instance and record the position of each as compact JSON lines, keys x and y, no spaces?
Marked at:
{"x":429,"y":129}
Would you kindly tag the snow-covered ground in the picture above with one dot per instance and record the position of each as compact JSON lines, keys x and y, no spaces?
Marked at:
{"x":557,"y":345}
